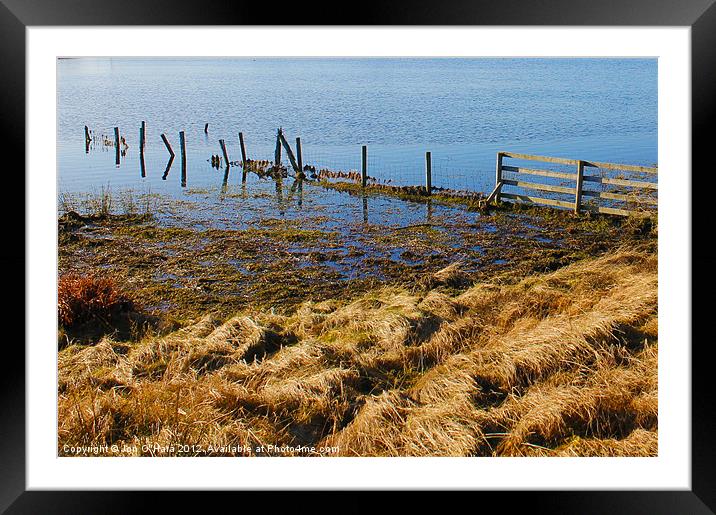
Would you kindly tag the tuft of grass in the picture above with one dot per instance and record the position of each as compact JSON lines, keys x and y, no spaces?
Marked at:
{"x":100,"y":205}
{"x":84,"y":298}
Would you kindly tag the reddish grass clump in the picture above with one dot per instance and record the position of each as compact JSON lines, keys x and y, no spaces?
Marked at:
{"x":84,"y":298}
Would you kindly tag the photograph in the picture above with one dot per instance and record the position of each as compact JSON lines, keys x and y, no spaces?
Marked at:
{"x":300,"y":256}
{"x":409,"y":247}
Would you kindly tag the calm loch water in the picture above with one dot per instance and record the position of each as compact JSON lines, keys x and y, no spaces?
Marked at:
{"x":462,"y":110}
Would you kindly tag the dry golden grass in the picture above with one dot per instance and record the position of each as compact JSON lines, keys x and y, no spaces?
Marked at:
{"x":562,"y":364}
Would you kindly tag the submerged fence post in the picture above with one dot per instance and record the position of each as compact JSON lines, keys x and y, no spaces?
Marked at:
{"x":206,"y":128}
{"x":88,"y":140}
{"x":166,"y":144}
{"x":299,"y":155}
{"x":289,"y":152}
{"x":223,"y":150}
{"x":141,"y":150}
{"x":578,"y":187}
{"x":116,"y":145}
{"x":428,"y":173}
{"x":243,"y":157}
{"x":144,"y":134}
{"x":182,"y":148}
{"x":277,"y":153}
{"x":364,"y":166}
{"x":243,"y":149}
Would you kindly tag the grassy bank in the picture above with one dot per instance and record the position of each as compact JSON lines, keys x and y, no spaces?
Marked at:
{"x":554,"y":362}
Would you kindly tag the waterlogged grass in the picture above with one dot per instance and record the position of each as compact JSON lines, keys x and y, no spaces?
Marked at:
{"x":277,"y":263}
{"x":105,"y":203}
{"x":408,"y":193}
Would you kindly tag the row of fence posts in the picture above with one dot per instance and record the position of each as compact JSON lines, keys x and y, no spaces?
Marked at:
{"x":296,"y":161}
{"x":117,"y":142}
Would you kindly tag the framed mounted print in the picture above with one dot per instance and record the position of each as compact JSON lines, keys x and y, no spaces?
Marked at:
{"x":402,"y":256}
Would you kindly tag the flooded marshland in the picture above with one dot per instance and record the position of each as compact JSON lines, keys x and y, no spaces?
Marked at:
{"x":307,"y":241}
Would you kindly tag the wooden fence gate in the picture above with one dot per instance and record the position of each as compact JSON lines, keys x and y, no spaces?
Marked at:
{"x":638,"y":198}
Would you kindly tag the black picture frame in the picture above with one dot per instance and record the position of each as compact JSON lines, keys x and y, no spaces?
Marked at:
{"x":16,"y":15}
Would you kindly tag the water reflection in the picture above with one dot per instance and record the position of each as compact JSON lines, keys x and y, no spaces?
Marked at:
{"x":142,"y":165}
{"x":169,"y":165}
{"x":297,"y":186}
{"x":225,"y":182}
{"x":279,"y":196}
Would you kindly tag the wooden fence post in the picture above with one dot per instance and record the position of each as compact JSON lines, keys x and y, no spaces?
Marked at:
{"x":578,"y":188}
{"x":166,"y":144}
{"x":495,"y":195}
{"x":498,"y":173}
{"x":144,"y":134}
{"x":243,"y":157}
{"x":87,"y":136}
{"x":299,"y":155}
{"x":243,"y":150}
{"x":206,"y":128}
{"x":116,"y":144}
{"x":182,"y":147}
{"x":277,"y":153}
{"x":141,"y":150}
{"x":289,"y":152}
{"x":223,"y":150}
{"x":428,"y":173}
{"x":364,"y":166}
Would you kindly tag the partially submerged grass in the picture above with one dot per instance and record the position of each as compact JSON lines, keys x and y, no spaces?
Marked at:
{"x":472,"y":201}
{"x":105,"y":203}
{"x":187,"y":269}
{"x":562,"y":363}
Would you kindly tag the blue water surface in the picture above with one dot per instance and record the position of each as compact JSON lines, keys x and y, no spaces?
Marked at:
{"x":461,"y":110}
